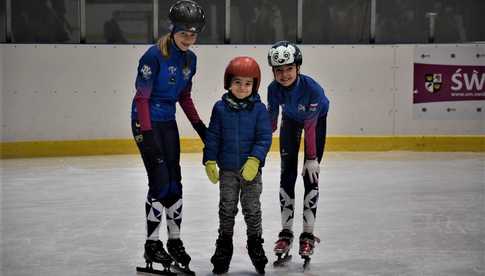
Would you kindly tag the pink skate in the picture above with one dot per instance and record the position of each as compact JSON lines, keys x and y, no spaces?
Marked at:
{"x":282,"y":247}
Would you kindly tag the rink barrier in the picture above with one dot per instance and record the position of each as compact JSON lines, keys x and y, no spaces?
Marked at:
{"x":29,"y":149}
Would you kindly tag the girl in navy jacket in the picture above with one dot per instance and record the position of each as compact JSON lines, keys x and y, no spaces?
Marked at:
{"x":304,"y":107}
{"x":164,"y":78}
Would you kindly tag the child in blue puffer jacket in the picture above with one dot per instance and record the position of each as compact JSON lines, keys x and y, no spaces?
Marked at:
{"x":237,"y":141}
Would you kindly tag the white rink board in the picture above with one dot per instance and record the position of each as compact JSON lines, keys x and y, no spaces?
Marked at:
{"x":77,"y":92}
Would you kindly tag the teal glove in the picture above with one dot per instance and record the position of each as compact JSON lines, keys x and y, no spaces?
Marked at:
{"x":211,"y":171}
{"x":250,"y":168}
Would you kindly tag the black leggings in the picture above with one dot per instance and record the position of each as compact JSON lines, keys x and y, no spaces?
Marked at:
{"x":164,"y":179}
{"x":290,"y":138}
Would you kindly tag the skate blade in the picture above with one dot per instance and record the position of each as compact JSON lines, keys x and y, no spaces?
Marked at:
{"x":282,"y":261}
{"x":305,"y":255}
{"x":155,"y":271}
{"x":221,"y":273}
{"x":183,"y":271}
{"x":306,"y":264}
{"x":280,"y":251}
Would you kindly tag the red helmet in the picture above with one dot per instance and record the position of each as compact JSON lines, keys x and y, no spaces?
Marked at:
{"x":244,"y":67}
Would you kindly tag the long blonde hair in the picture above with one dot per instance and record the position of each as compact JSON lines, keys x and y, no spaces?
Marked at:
{"x":164,"y":44}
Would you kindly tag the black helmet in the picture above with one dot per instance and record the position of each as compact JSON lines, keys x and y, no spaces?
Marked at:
{"x":187,"y":15}
{"x":284,"y":52}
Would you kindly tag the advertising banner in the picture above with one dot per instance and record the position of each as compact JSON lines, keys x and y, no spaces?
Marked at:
{"x":449,"y":82}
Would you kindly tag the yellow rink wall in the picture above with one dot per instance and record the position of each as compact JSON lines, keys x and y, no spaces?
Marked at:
{"x":28,"y":149}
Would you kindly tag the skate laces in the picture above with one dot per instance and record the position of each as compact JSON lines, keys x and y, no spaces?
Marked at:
{"x":223,"y":250}
{"x":258,"y":250}
{"x":282,"y":243}
{"x":154,"y":249}
{"x":256,"y":246}
{"x":176,"y":245}
{"x":223,"y":246}
{"x":285,"y":238}
{"x":155,"y":245}
{"x":307,"y":243}
{"x":176,"y":249}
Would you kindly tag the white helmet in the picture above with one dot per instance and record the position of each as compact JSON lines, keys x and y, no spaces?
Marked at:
{"x":283,"y":53}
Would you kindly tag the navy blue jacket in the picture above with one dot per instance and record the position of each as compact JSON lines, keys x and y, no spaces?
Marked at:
{"x":161,"y":83}
{"x":304,"y":102}
{"x":236,"y":131}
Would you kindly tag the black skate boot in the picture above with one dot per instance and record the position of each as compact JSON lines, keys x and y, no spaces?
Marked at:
{"x":223,"y":255}
{"x":176,"y":249}
{"x":282,"y":247}
{"x":155,"y":253}
{"x":307,"y":243}
{"x":256,"y":253}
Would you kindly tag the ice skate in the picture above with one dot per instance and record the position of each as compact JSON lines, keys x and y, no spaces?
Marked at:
{"x":307,"y":244}
{"x":181,"y":259}
{"x":256,"y":253}
{"x":282,"y":247}
{"x":155,"y":253}
{"x":223,"y":255}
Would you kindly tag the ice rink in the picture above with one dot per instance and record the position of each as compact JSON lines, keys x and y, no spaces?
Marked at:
{"x":382,"y":213}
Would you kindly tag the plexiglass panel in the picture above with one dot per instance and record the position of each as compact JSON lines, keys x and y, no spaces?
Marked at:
{"x":45,"y":21}
{"x":439,"y":21}
{"x":119,"y":21}
{"x":336,"y":21}
{"x":3,"y":23}
{"x":251,"y":21}
{"x":263,"y":21}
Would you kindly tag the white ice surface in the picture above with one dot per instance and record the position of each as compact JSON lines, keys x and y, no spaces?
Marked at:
{"x":386,"y":213}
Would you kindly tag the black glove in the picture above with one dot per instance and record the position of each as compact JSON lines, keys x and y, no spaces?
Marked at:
{"x":150,"y":148}
{"x":201,"y":130}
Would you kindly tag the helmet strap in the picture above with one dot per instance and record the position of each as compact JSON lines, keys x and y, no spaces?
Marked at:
{"x":176,"y":29}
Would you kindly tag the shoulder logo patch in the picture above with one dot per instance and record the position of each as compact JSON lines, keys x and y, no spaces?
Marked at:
{"x":146,"y":72}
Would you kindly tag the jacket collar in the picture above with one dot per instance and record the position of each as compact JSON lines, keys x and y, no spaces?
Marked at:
{"x":174,"y":49}
{"x":240,"y":104}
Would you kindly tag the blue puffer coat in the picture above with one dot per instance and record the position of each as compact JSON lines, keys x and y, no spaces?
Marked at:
{"x":237,"y":130}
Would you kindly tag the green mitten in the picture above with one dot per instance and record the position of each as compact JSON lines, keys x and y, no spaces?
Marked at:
{"x":211,"y":171}
{"x":250,"y":168}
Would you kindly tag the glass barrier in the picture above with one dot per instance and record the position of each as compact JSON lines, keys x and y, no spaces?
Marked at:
{"x":336,"y":21}
{"x":250,"y":21}
{"x":263,"y":21}
{"x":438,"y":21}
{"x":3,"y":22}
{"x":119,"y":21}
{"x":45,"y":21}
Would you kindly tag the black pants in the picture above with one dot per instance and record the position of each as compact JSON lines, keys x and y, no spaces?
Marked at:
{"x":164,"y":179}
{"x":290,"y":138}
